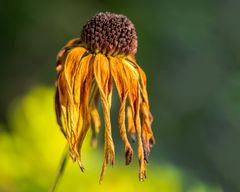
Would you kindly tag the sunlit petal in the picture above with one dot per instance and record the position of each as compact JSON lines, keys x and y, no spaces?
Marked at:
{"x":103,"y":80}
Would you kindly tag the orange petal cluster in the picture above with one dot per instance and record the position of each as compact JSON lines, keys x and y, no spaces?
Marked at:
{"x":84,"y":78}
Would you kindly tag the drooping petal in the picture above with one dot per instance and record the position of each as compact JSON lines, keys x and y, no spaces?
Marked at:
{"x":142,"y":162}
{"x":119,"y":76}
{"x":147,"y":134}
{"x":68,"y":62}
{"x":72,"y":65}
{"x":63,"y":100}
{"x":132,"y":80}
{"x":135,"y":100}
{"x":82,"y":90}
{"x":131,"y":126}
{"x":104,"y":82}
{"x":58,"y":111}
{"x":74,"y":87}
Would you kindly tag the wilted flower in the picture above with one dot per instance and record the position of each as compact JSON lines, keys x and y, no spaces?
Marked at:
{"x":87,"y":69}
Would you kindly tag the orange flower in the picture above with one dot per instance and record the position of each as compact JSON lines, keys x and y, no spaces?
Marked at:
{"x":87,"y":69}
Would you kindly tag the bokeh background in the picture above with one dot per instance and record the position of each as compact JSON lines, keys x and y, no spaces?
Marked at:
{"x":190,"y":53}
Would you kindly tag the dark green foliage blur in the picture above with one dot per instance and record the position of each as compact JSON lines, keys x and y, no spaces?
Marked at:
{"x":190,"y":53}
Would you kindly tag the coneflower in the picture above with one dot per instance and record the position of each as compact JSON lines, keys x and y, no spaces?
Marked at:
{"x":88,"y":67}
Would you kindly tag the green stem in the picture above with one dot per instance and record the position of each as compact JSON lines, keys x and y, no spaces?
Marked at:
{"x":61,"y":169}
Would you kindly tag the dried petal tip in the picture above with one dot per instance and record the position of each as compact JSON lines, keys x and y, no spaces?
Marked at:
{"x":110,"y":34}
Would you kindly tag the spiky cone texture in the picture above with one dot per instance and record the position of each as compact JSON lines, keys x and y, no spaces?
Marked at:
{"x":87,"y":68}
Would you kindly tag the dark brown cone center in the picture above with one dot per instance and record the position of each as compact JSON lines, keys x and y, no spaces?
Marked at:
{"x":110,"y":34}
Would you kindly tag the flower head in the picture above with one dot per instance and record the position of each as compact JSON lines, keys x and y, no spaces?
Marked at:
{"x":88,"y":67}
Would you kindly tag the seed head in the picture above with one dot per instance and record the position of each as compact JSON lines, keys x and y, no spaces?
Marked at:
{"x":110,"y":34}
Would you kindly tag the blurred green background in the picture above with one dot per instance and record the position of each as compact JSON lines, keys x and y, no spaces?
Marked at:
{"x":190,"y":53}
